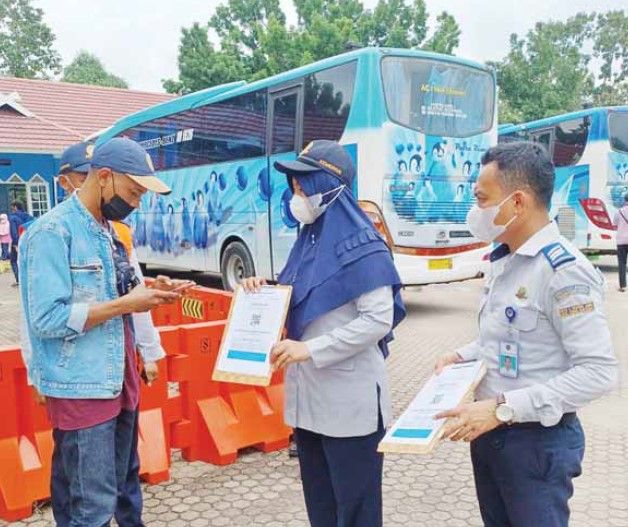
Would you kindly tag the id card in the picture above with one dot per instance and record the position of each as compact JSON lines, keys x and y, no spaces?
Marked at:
{"x":509,"y":359}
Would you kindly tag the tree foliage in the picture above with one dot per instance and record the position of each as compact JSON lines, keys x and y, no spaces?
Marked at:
{"x":255,"y":40}
{"x":88,"y":69}
{"x":548,"y":71}
{"x":26,"y":42}
{"x":611,"y":47}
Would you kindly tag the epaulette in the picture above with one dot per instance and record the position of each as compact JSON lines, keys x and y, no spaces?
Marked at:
{"x":499,"y":252}
{"x":557,"y":255}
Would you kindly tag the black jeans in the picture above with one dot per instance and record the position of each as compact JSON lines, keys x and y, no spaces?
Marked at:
{"x":622,"y":254}
{"x":13,"y":258}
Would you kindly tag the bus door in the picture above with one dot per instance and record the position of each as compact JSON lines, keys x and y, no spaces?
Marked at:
{"x":284,"y":138}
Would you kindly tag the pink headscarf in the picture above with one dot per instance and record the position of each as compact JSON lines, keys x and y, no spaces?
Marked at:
{"x":5,"y":227}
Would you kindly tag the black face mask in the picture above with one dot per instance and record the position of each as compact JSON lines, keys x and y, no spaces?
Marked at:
{"x":116,"y":209}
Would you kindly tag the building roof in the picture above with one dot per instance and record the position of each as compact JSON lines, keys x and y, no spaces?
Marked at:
{"x":61,"y":113}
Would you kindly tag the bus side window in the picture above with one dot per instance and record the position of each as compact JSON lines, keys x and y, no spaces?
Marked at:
{"x":545,"y":138}
{"x":229,"y":130}
{"x":570,"y":140}
{"x":328,"y":95}
{"x":284,"y":123}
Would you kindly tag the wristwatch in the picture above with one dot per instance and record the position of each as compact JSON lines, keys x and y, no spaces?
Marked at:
{"x":505,"y":414}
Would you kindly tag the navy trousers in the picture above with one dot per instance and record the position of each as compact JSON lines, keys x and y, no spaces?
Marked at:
{"x":523,"y":473}
{"x":342,"y":478}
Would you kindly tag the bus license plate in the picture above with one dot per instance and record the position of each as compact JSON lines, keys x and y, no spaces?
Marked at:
{"x":440,"y":264}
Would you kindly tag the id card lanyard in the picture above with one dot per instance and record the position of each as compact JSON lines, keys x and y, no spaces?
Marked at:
{"x":509,"y":349}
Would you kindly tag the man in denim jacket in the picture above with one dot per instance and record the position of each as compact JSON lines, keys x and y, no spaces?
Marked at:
{"x":78,"y":292}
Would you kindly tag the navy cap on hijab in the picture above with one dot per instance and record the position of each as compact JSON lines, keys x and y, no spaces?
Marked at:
{"x":338,"y":258}
{"x":324,"y":155}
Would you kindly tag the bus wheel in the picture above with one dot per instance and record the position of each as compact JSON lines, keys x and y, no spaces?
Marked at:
{"x":236,"y":263}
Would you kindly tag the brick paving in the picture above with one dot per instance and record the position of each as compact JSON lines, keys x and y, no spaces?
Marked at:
{"x":436,"y":490}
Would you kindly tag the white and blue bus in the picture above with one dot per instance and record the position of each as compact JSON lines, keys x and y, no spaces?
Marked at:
{"x":590,"y":152}
{"x":415,"y":123}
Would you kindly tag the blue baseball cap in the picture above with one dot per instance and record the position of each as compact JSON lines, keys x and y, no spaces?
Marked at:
{"x":127,"y":157}
{"x":321,"y":155}
{"x":76,"y":158}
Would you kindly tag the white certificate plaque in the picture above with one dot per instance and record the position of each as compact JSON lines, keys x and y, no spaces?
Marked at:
{"x":255,"y":325}
{"x":416,"y":431}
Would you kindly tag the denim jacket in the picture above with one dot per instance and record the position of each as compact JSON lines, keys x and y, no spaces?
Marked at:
{"x":66,"y":264}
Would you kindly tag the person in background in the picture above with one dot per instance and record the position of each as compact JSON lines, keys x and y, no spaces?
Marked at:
{"x":5,"y":236}
{"x":345,"y":301}
{"x":79,"y":291}
{"x":621,"y":237}
{"x":17,"y":218}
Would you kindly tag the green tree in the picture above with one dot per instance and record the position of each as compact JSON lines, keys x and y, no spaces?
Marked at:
{"x":447,"y":35}
{"x":611,"y":47}
{"x":88,"y":69}
{"x":200,"y":66}
{"x":394,"y":23}
{"x":255,"y":41}
{"x":546,"y":72}
{"x":26,"y":42}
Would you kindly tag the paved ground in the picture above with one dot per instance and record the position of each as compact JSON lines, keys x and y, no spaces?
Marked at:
{"x":435,"y":490}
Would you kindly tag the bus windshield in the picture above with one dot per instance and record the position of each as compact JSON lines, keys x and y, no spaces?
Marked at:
{"x":618,"y":130}
{"x":439,"y":98}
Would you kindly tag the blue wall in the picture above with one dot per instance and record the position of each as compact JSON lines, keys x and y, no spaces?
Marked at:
{"x":26,"y":166}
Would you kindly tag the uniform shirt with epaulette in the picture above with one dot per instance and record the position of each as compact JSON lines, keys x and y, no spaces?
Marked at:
{"x":545,"y":305}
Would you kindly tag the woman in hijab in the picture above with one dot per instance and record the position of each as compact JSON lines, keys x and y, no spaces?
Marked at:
{"x":345,"y":302}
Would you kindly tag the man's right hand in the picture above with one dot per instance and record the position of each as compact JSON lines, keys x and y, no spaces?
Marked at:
{"x":142,"y":299}
{"x":446,"y":360}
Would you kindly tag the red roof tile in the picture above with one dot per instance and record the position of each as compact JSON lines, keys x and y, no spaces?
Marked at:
{"x":64,"y":113}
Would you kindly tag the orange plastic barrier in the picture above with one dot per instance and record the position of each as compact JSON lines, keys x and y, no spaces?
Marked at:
{"x":222,"y":418}
{"x":200,"y":304}
{"x":25,"y":441}
{"x":158,"y":412}
{"x":204,"y":304}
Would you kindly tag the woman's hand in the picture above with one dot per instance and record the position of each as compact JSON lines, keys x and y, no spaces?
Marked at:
{"x":253,"y":284}
{"x":287,"y":352}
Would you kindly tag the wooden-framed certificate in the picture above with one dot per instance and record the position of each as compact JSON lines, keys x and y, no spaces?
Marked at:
{"x":255,"y":325}
{"x":416,"y":431}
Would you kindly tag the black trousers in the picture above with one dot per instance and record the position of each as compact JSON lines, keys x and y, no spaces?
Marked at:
{"x":622,"y":254}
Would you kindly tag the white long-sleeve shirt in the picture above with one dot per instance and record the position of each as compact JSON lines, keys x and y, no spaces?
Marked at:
{"x":566,"y":356}
{"x":621,"y":222}
{"x":335,"y":392}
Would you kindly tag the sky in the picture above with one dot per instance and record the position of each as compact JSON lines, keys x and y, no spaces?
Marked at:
{"x":138,"y":39}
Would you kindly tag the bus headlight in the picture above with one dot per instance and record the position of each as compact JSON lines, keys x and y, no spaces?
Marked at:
{"x":375,"y":215}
